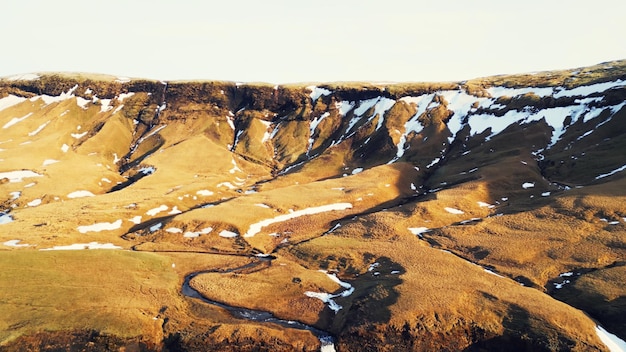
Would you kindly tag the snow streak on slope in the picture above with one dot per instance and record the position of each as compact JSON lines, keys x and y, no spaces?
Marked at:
{"x":256,"y":228}
{"x":328,"y":297}
{"x":464,"y":107}
{"x":612,"y":342}
{"x":380,"y":104}
{"x":619,"y":169}
{"x":16,"y":120}
{"x":313,"y":125}
{"x":413,"y":125}
{"x":81,"y":246}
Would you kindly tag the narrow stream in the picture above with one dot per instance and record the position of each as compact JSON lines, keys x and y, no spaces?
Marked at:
{"x":327,"y":341}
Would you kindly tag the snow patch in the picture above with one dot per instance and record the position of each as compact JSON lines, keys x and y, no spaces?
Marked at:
{"x":49,"y":162}
{"x":5,"y":218}
{"x":454,"y":211}
{"x":15,"y":243}
{"x":204,"y":192}
{"x":47,"y":99}
{"x":102,"y":226}
{"x":344,"y":107}
{"x":9,"y":101}
{"x":418,"y":230}
{"x":81,"y":246}
{"x":82,"y":103}
{"x":412,"y":125}
{"x":79,"y":135}
{"x":124,"y":96}
{"x":327,"y":297}
{"x":527,"y":185}
{"x":228,"y":234}
{"x":590,"y":89}
{"x":612,"y":342}
{"x":149,"y":170}
{"x":154,"y":211}
{"x":433,"y":163}
{"x":36,"y":131}
{"x":80,"y":194}
{"x":16,"y":120}
{"x":358,"y":170}
{"x":619,"y":169}
{"x":34,"y":202}
{"x":256,"y":228}
{"x":175,"y":211}
{"x":65,"y":148}
{"x":312,"y":126}
{"x":267,"y":135}
{"x":493,"y":273}
{"x":235,"y":168}
{"x":498,"y":92}
{"x":317,"y":92}
{"x":192,"y":234}
{"x":226,"y":184}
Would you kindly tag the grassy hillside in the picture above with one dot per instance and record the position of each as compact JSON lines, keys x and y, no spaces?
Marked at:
{"x":148,"y":215}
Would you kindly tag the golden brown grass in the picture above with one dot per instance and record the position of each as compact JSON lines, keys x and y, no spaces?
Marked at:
{"x":441,"y":287}
{"x":115,"y":292}
{"x":278,"y":288}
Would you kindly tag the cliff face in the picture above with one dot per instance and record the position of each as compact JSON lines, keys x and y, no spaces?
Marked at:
{"x":445,"y":216}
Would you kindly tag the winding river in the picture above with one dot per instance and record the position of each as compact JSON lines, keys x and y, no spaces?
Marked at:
{"x":327,"y":341}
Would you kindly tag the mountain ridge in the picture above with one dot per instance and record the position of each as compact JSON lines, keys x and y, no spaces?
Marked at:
{"x":518,"y":176}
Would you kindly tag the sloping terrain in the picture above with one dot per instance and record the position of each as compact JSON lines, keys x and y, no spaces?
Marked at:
{"x":480,"y":215}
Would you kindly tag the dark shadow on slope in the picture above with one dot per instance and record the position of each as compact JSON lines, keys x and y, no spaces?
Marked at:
{"x":131,"y":180}
{"x":368,"y":306}
{"x":140,"y":158}
{"x":609,"y":312}
{"x":520,"y":335}
{"x":148,"y":227}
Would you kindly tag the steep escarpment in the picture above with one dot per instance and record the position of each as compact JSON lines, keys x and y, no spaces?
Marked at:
{"x":430,"y":216}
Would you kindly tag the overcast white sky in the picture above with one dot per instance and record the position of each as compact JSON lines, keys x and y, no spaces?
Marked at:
{"x":282,"y":41}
